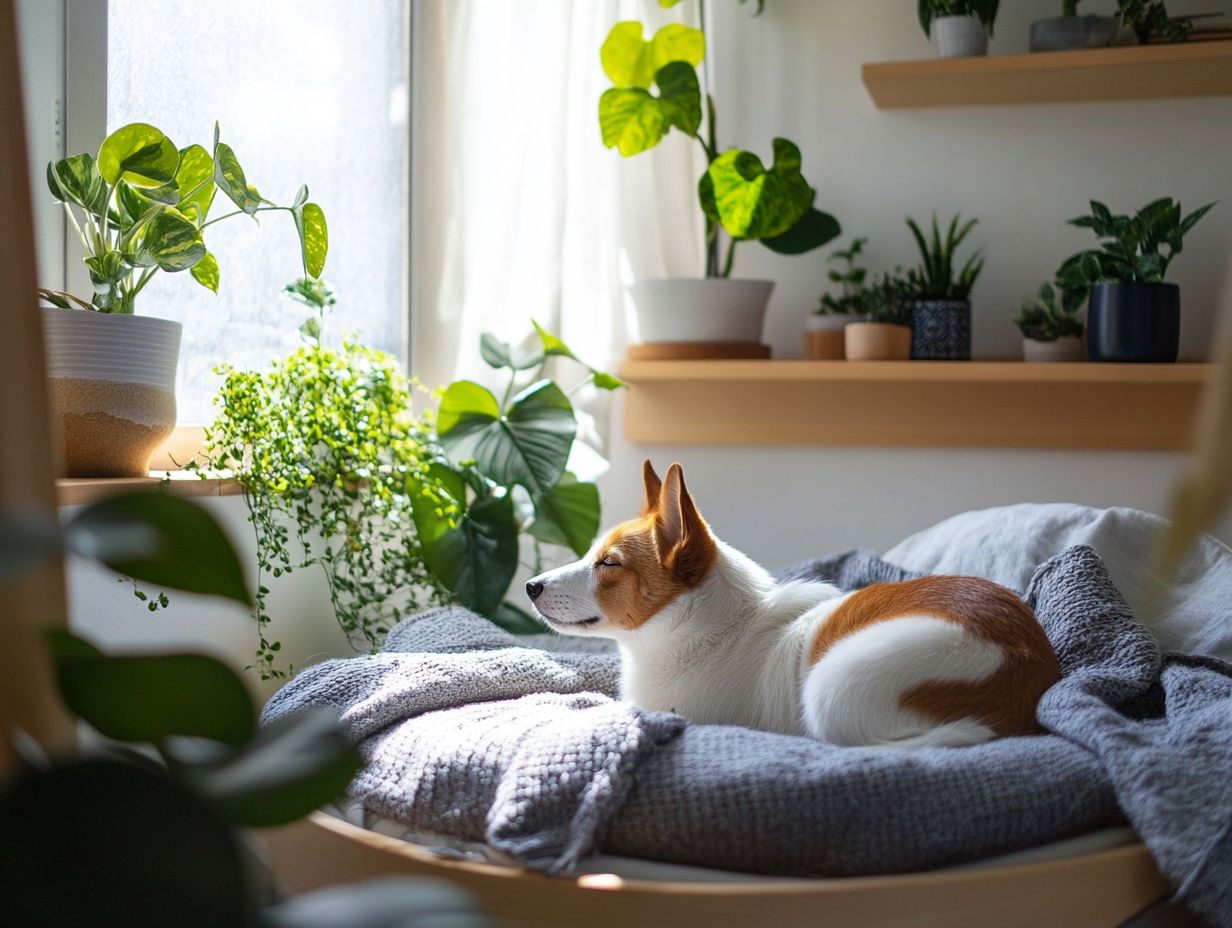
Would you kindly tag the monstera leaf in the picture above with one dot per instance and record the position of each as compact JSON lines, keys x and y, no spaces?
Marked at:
{"x":812,"y":230}
{"x":527,"y":445}
{"x":631,"y":61}
{"x":471,"y":549}
{"x":568,"y":514}
{"x":751,"y":202}
{"x":634,"y":120}
{"x":140,"y":155}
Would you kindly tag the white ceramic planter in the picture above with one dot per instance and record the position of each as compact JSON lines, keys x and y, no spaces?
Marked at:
{"x":707,"y":309}
{"x":960,"y":36}
{"x":111,"y":380}
{"x":1068,"y":348}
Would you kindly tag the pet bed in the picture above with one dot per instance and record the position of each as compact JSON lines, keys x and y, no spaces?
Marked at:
{"x":544,"y":775}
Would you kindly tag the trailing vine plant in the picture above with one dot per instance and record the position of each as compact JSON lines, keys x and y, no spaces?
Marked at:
{"x":326,"y":447}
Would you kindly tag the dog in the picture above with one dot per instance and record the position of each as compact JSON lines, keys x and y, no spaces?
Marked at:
{"x":705,"y":632}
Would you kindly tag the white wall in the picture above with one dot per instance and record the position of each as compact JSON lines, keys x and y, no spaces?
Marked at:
{"x":1023,"y":170}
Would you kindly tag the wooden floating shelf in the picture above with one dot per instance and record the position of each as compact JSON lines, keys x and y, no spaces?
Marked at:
{"x":77,"y":491}
{"x":937,"y":404}
{"x":1198,"y":69}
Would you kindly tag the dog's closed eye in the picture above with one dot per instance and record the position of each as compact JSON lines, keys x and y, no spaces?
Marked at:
{"x":608,"y":562}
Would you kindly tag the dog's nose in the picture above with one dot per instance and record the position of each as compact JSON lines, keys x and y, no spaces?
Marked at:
{"x":533,"y":589}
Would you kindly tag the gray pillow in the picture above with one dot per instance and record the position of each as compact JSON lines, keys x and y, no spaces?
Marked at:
{"x":1007,"y":543}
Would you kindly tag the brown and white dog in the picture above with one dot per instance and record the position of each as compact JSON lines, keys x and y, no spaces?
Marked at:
{"x":707,"y":633}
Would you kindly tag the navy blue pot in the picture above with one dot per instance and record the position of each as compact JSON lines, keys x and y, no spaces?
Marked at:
{"x":1134,"y":321}
{"x":941,"y":330}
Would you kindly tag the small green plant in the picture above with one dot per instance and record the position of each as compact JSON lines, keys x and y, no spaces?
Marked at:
{"x":143,"y":206}
{"x":984,"y":10}
{"x":319,"y":297}
{"x":655,"y":89}
{"x":935,"y":278}
{"x":1133,"y":248}
{"x":889,"y":297}
{"x":1049,"y":315}
{"x":1150,"y":17}
{"x":502,"y":473}
{"x":851,"y":299}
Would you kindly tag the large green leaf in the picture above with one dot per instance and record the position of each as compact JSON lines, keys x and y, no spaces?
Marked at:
{"x":206,"y":273}
{"x":159,"y":539}
{"x":812,"y":230}
{"x":631,"y":120}
{"x":151,"y":698}
{"x":170,"y":240}
{"x":568,"y":514}
{"x":474,"y":551}
{"x":131,"y":206}
{"x":139,"y":154}
{"x":529,"y":445}
{"x":752,"y":202}
{"x":194,"y":182}
{"x":288,"y":768}
{"x":229,"y":177}
{"x":313,"y":237}
{"x":631,"y":61}
{"x":76,"y":180}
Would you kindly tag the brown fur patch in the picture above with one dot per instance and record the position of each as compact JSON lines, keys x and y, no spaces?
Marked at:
{"x":642,"y":585}
{"x":1005,"y":701}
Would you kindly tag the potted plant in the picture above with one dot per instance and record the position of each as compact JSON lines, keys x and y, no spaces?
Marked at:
{"x":1132,"y":313}
{"x":941,"y":310}
{"x":823,"y":336}
{"x":1050,"y":325}
{"x":655,"y":89}
{"x":960,"y":27}
{"x":140,"y":207}
{"x":1070,"y":31}
{"x":1149,"y":18}
{"x":886,"y":336}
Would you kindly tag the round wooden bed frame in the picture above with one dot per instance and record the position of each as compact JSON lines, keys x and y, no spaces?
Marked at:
{"x":1089,"y":891}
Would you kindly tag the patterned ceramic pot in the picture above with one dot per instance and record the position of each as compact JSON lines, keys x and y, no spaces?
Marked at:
{"x":111,"y":380}
{"x":941,"y":330}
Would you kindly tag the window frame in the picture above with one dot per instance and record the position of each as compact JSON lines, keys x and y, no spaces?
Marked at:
{"x":84,"y":123}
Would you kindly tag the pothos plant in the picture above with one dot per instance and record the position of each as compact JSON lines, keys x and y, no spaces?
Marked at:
{"x":655,"y":89}
{"x":502,"y":472}
{"x":984,"y":10}
{"x":143,"y":205}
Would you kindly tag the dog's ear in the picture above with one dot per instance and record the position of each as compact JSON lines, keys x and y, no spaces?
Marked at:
{"x":653,"y":487}
{"x":686,"y":546}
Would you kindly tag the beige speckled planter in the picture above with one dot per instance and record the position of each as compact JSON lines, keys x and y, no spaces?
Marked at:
{"x":877,"y":341}
{"x":111,"y":380}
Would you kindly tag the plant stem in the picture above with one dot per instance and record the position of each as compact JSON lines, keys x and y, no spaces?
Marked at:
{"x":513,"y":377}
{"x":146,"y":275}
{"x":77,"y":228}
{"x":240,"y":212}
{"x":731,"y":256}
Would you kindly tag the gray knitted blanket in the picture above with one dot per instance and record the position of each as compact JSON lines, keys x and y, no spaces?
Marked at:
{"x":517,"y":742}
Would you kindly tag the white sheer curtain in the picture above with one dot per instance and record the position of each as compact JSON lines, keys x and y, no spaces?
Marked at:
{"x":519,"y":211}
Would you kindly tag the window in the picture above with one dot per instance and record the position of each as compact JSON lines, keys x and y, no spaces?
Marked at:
{"x":306,"y":91}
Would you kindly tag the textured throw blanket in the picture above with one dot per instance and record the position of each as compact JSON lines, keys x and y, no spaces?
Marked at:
{"x":472,"y":732}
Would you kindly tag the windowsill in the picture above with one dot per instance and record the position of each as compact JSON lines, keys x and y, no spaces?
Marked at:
{"x":77,"y":491}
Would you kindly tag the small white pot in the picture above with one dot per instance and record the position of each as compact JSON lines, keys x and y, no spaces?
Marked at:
{"x":111,"y":380}
{"x":1067,"y":348}
{"x":960,"y":36}
{"x":707,"y":309}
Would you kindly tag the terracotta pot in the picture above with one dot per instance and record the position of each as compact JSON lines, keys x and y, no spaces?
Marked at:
{"x":823,"y":336}
{"x":111,"y":380}
{"x":1067,"y":348}
{"x":877,"y":341}
{"x":706,"y":309}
